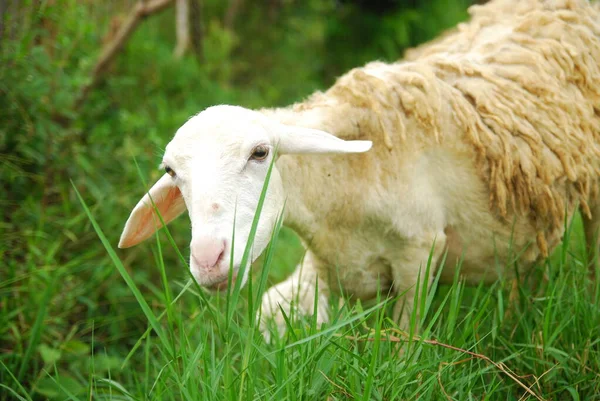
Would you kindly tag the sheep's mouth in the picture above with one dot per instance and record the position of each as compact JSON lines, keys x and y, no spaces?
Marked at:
{"x":221,"y":285}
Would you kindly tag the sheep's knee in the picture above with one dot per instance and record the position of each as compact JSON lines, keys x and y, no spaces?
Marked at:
{"x":295,"y":295}
{"x":403,"y":310}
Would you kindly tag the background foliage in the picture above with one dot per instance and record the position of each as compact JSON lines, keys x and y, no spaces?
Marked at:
{"x":65,"y":312}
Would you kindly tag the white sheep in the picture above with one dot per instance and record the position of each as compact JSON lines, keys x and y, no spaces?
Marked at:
{"x":482,"y":146}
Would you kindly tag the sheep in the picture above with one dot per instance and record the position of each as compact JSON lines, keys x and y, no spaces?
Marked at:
{"x":475,"y":147}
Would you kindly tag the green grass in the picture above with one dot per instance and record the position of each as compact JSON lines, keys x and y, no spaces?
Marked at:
{"x":475,"y":343}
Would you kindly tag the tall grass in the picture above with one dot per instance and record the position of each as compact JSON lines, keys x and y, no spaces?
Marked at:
{"x":538,"y":340}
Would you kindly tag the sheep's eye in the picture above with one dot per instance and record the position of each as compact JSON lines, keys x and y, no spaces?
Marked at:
{"x":170,"y":171}
{"x":260,"y":153}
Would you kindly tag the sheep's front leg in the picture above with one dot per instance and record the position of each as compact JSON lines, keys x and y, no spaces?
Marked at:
{"x":295,"y":295}
{"x":410,"y":266}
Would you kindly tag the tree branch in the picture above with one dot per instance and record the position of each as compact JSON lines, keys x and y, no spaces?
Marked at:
{"x":3,"y":8}
{"x":232,"y":12}
{"x":141,"y":10}
{"x":197,"y":29}
{"x":182,"y":27}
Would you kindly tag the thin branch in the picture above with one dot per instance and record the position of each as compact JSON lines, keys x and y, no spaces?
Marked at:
{"x":182,"y":27}
{"x":232,"y":12}
{"x":141,"y":10}
{"x":343,"y":390}
{"x":499,"y":366}
{"x":197,"y":29}
{"x":13,"y":21}
{"x":274,"y":6}
{"x":3,"y":9}
{"x":439,"y":377}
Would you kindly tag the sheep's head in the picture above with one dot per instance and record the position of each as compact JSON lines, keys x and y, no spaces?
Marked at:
{"x":215,"y":168}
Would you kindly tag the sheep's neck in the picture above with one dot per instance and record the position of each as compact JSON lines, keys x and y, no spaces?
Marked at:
{"x":297,"y":214}
{"x":317,"y":185}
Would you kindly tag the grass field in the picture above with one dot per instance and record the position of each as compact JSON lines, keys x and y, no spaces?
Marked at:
{"x":475,"y":343}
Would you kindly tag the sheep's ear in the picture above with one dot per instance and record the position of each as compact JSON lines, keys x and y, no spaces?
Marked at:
{"x":298,"y":140}
{"x":143,"y":221}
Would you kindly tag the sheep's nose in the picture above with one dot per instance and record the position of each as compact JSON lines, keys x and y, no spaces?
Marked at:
{"x":207,"y":251}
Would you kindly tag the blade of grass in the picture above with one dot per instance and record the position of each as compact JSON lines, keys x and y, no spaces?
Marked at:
{"x":138,"y":343}
{"x":168,"y":295}
{"x":17,"y":396}
{"x":374,"y":356}
{"x":17,"y":382}
{"x":231,"y":259}
{"x":254,"y":306}
{"x":69,"y":394}
{"x":130,"y":283}
{"x":244,"y":264}
{"x":270,"y":252}
{"x":36,"y":330}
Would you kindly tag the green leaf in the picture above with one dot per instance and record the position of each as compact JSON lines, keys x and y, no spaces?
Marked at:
{"x":75,"y":347}
{"x":49,"y":355}
{"x":104,"y":363}
{"x":59,"y":387}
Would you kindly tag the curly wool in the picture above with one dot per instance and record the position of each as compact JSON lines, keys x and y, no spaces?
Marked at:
{"x":522,"y":81}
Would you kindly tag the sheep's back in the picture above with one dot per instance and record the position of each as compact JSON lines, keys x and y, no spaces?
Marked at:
{"x":522,"y":83}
